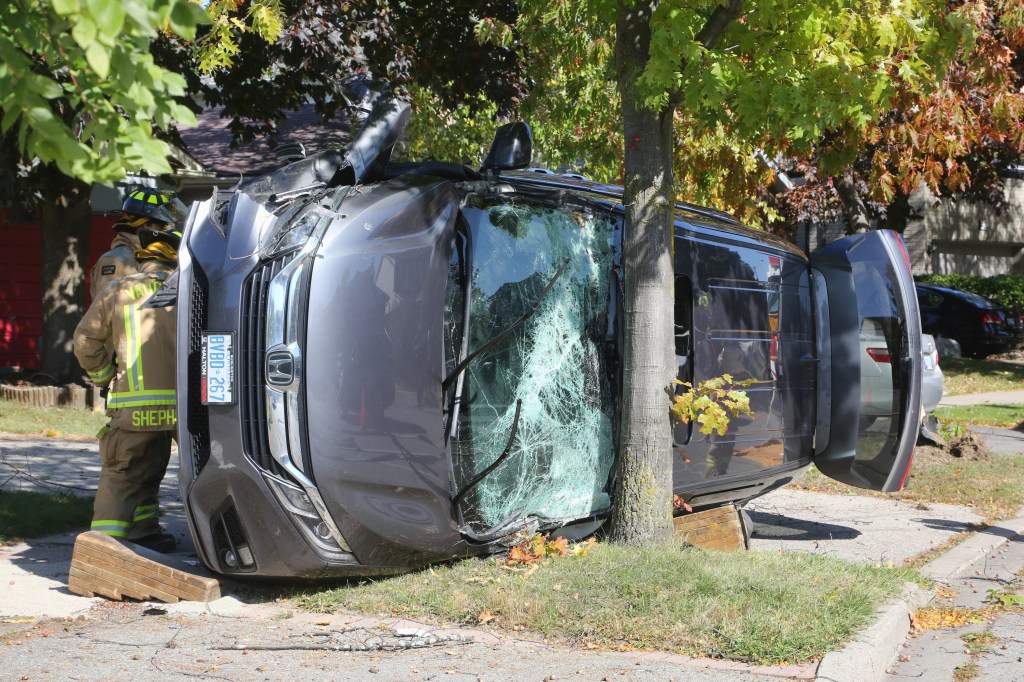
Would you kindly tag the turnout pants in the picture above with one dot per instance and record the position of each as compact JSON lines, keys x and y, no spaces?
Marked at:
{"x":134,"y":463}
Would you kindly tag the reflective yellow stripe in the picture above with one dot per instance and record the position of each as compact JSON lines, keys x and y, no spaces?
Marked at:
{"x":111,"y":527}
{"x":131,"y":345}
{"x":102,"y":376}
{"x":141,"y":398}
{"x":146,"y":512}
{"x":135,"y":379}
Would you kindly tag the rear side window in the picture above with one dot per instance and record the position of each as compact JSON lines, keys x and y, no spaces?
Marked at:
{"x":884,"y":352}
{"x":683,"y":348}
{"x":928,"y":298}
{"x":975,"y":300}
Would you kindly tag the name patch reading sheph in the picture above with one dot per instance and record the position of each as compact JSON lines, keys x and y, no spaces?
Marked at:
{"x":107,"y":270}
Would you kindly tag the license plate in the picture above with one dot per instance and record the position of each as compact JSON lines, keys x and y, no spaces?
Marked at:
{"x":929,"y":362}
{"x":217,"y":383}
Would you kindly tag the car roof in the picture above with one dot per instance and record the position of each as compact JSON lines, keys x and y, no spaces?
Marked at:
{"x":539,"y":178}
{"x":968,"y":296}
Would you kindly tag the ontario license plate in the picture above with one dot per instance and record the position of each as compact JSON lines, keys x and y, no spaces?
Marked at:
{"x":217,"y":383}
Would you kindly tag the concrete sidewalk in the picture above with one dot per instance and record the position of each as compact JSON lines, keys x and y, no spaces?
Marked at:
{"x":1007,"y":441}
{"x":993,"y":398}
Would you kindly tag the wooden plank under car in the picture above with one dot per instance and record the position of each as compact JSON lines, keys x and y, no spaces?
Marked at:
{"x":103,"y":566}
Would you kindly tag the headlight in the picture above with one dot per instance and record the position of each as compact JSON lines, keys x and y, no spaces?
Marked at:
{"x":312,"y":519}
{"x":289,"y":235}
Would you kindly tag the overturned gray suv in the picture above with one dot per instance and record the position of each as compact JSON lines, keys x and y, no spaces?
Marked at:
{"x":382,"y":366}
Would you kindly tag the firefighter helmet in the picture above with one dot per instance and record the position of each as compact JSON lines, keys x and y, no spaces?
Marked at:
{"x":152,"y":235}
{"x":152,"y":204}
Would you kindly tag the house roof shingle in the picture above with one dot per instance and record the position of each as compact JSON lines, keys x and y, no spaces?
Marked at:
{"x":210,"y":141}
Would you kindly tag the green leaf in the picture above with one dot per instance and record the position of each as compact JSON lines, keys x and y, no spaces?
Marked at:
{"x":139,"y":13}
{"x":11,"y":116}
{"x":108,"y":15}
{"x":185,"y":16}
{"x":84,"y":32}
{"x":99,"y":59}
{"x":65,"y":7}
{"x":44,"y":87}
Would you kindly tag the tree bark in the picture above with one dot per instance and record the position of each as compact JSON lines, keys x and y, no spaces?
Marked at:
{"x":642,"y":501}
{"x":66,"y":221}
{"x":854,"y":207}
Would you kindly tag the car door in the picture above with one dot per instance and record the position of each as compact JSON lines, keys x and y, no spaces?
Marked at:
{"x":864,"y":281}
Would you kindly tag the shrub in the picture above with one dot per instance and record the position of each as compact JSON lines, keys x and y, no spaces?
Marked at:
{"x":1006,"y":290}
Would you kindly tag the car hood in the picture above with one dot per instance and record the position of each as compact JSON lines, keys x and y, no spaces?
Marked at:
{"x":374,"y":363}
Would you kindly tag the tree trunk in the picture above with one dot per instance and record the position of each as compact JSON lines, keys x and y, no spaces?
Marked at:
{"x":857,"y":218}
{"x":66,"y":222}
{"x":642,"y":502}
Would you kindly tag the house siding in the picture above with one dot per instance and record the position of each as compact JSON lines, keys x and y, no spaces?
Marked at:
{"x":21,"y":307}
{"x":967,"y":238}
{"x":946,"y":236}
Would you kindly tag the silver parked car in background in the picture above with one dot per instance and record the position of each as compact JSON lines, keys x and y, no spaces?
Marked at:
{"x":932,"y":385}
{"x":876,"y":378}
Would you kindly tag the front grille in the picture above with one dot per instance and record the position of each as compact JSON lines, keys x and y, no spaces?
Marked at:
{"x":253,"y":351}
{"x":198,"y":416}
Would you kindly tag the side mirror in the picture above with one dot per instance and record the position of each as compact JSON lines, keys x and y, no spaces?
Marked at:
{"x":512,"y":148}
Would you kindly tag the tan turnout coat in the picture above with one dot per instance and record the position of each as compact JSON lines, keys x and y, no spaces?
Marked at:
{"x":142,"y":395}
{"x":116,"y":263}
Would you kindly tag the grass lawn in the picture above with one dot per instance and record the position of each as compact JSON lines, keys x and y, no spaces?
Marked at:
{"x":25,"y":514}
{"x":1005,"y":416}
{"x":964,"y":375}
{"x":993,"y":486}
{"x":751,"y":606}
{"x":51,"y":422}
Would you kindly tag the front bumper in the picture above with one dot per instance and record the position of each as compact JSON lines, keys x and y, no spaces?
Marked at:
{"x":266,"y":492}
{"x":233,"y":515}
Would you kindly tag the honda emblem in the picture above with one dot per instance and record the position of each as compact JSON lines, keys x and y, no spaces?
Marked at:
{"x":280,"y":368}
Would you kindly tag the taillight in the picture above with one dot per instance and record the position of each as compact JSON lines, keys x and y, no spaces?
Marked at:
{"x":989,"y":318}
{"x":935,"y":356}
{"x":879,"y":354}
{"x":903,"y":248}
{"x":906,"y":472}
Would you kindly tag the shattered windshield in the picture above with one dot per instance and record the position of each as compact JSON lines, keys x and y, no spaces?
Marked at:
{"x":560,"y":450}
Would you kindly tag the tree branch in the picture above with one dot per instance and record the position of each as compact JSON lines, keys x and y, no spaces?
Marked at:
{"x":710,"y":35}
{"x":714,"y":27}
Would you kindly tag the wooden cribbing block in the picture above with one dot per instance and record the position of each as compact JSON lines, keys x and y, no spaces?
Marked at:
{"x":719,"y":528}
{"x":104,"y":566}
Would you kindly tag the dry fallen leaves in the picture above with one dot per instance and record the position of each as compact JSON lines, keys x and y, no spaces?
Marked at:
{"x":937,"y":617}
{"x":530,"y":549}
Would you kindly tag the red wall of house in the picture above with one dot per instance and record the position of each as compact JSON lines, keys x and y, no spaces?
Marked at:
{"x":21,"y":307}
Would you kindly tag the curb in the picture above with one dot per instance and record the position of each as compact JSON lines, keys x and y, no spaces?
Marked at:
{"x":866,"y":658}
{"x":964,"y":555}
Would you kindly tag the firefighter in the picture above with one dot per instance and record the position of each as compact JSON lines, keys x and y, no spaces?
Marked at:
{"x":135,"y":445}
{"x":143,"y":207}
